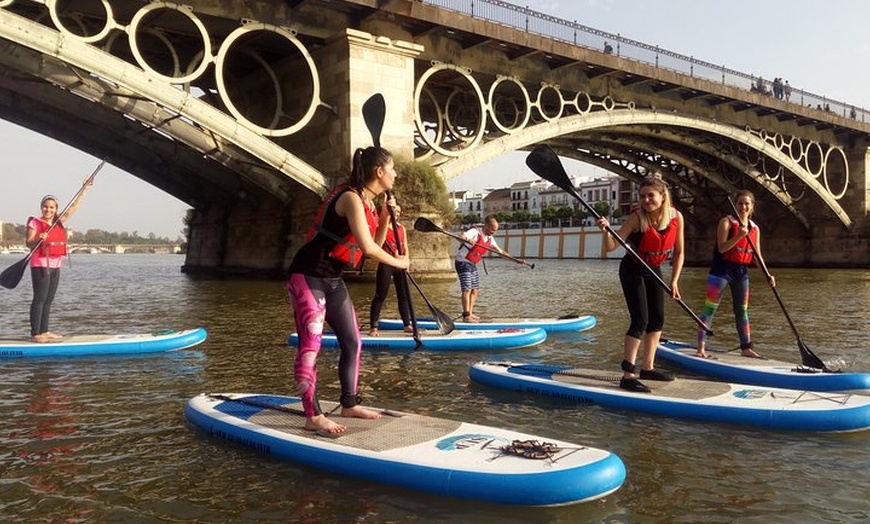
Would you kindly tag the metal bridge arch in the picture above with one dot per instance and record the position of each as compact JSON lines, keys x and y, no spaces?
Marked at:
{"x":576,"y":124}
{"x":156,"y":101}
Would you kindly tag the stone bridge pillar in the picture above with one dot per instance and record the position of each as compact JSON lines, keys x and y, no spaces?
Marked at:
{"x":256,"y":234}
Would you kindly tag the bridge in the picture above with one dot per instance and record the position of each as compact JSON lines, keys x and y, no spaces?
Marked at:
{"x":125,"y":248}
{"x":249,"y":112}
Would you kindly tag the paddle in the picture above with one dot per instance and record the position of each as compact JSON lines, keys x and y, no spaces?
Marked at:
{"x":427,"y":226}
{"x":256,"y":403}
{"x":808,"y":358}
{"x":544,"y":162}
{"x":11,"y":276}
{"x":444,"y":322}
{"x":404,"y":274}
{"x":374,"y":112}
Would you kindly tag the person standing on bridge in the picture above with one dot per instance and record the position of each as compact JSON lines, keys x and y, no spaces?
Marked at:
{"x":477,"y":242}
{"x":46,"y":260}
{"x":654,"y":231}
{"x":387,"y":273}
{"x":735,"y":238}
{"x":347,"y":226}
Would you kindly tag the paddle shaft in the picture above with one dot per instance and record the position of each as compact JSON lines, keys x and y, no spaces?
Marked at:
{"x":491,"y":250}
{"x":637,"y":257}
{"x":11,"y":276}
{"x":805,"y":351}
{"x":404,"y":273}
{"x":544,"y":153}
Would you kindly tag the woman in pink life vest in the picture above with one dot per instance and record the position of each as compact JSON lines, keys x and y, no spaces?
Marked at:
{"x":47,"y":234}
{"x":655,"y":232}
{"x":731,"y":260}
{"x":347,"y":226}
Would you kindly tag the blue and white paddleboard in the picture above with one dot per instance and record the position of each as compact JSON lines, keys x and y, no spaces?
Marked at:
{"x":444,"y":457}
{"x":509,"y":338}
{"x":696,"y":399}
{"x":96,"y":345}
{"x":764,"y":372}
{"x":550,"y":325}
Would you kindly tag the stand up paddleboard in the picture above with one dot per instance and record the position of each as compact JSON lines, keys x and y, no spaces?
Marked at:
{"x":550,"y":325}
{"x":95,"y":345}
{"x":697,"y":399}
{"x":439,"y":456}
{"x":763,"y":372}
{"x":510,"y":338}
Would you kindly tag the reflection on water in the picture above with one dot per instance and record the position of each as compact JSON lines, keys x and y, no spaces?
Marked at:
{"x":104,"y":440}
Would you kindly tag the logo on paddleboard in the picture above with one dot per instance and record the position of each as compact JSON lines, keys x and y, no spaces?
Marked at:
{"x":750,"y":394}
{"x":460,"y":442}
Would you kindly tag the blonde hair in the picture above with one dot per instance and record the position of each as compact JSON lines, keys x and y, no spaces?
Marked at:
{"x":659,"y":185}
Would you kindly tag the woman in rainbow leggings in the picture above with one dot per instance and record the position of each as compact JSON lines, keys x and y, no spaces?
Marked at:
{"x":735,"y":239}
{"x":347,"y":227}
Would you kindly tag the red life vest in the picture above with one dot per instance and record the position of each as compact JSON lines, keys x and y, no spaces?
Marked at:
{"x":741,"y":253}
{"x":480,"y":248}
{"x":654,"y":247}
{"x":390,"y":244}
{"x":347,"y":248}
{"x":54,"y":244}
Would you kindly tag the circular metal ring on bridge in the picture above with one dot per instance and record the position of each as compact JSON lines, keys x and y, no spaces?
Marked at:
{"x":795,"y":149}
{"x":497,"y":100}
{"x":583,"y":102}
{"x":608,"y":103}
{"x":814,"y":159}
{"x":59,"y":17}
{"x":138,"y":27}
{"x":476,"y":133}
{"x":842,"y":192}
{"x":253,"y":30}
{"x":546,"y":108}
{"x":6,"y":3}
{"x":422,"y":148}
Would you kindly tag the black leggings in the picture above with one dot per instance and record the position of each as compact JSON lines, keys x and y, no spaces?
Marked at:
{"x":382,"y":288}
{"x":644,"y":296}
{"x":45,"y":281}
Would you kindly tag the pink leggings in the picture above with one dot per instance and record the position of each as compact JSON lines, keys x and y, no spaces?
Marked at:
{"x":314,"y":301}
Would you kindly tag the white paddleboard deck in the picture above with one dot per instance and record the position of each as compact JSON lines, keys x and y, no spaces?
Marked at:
{"x":434,"y":455}
{"x":713,"y":401}
{"x":104,"y":344}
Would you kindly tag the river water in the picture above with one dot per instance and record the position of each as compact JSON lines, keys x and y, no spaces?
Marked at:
{"x":105,"y":440}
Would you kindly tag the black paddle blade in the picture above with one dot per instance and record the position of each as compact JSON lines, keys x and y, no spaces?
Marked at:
{"x":810,"y":359}
{"x":425,"y":225}
{"x":546,"y":164}
{"x":444,"y":322}
{"x":11,"y":276}
{"x":374,"y":112}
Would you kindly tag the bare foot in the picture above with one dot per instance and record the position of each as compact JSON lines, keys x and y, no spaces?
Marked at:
{"x":701,"y":353}
{"x":321,"y":423}
{"x":42,"y":338}
{"x":373,"y":332}
{"x":53,"y":336}
{"x":474,"y":318}
{"x":408,"y":329}
{"x":360,"y":412}
{"x":749,"y":352}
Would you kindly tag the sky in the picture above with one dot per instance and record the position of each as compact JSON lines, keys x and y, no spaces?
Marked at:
{"x":821,"y":47}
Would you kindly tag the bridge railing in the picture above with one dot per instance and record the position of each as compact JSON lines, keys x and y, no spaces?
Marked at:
{"x":541,"y":24}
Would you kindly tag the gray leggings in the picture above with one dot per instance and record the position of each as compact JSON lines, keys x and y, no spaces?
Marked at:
{"x":45,"y":281}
